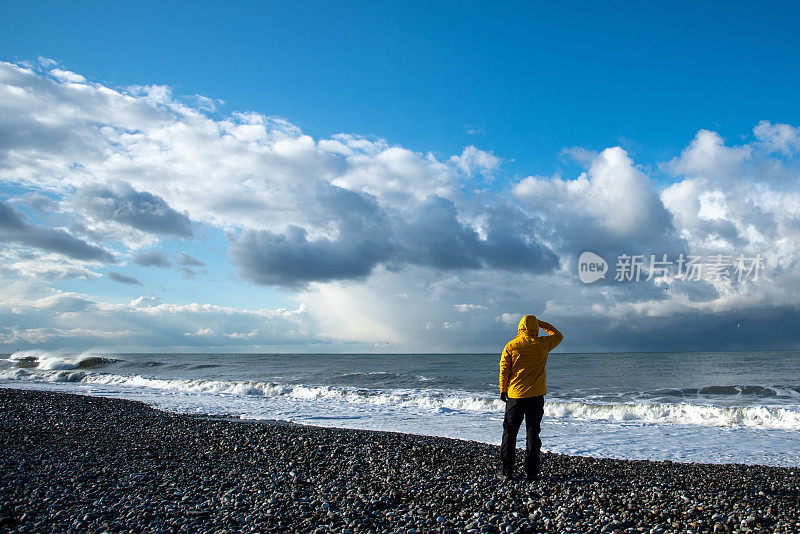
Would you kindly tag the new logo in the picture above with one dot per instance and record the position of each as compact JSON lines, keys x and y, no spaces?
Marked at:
{"x":591,"y":267}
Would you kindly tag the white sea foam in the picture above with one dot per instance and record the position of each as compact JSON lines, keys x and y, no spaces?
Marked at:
{"x":777,"y":417}
{"x":55,"y":361}
{"x":645,"y":411}
{"x":431,"y":400}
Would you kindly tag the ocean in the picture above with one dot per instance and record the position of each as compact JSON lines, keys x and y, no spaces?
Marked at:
{"x":717,"y":407}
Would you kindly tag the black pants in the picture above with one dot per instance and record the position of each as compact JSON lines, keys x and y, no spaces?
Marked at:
{"x":532,"y":409}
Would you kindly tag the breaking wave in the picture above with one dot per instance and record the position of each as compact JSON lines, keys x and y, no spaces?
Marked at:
{"x":428,"y":400}
{"x":50,"y":361}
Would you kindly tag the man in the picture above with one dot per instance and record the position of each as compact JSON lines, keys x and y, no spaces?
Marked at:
{"x":522,"y":388}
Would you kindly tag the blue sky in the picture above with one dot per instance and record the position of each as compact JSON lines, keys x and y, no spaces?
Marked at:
{"x":532,"y":78}
{"x":477,"y":141}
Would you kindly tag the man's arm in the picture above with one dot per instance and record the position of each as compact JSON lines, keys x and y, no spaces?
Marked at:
{"x":505,"y":371}
{"x":554,"y":338}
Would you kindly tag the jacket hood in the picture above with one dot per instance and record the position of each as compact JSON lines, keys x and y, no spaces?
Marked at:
{"x":529,"y":325}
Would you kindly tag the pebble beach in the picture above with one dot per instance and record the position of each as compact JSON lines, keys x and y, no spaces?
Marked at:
{"x":73,"y":463}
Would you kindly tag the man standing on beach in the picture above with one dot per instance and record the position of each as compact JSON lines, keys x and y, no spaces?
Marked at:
{"x":523,"y":384}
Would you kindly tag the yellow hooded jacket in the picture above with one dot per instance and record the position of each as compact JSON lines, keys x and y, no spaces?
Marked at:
{"x":522,"y":364}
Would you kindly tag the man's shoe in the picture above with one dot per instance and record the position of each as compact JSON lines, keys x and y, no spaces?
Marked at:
{"x":505,"y":477}
{"x":533,"y":478}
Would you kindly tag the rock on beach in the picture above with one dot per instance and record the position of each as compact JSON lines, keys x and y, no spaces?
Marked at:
{"x":73,"y":463}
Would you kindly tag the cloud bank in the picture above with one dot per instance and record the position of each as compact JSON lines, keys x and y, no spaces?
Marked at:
{"x":380,"y":246}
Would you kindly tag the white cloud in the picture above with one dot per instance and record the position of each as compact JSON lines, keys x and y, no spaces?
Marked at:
{"x":60,"y":320}
{"x":781,"y":138}
{"x":468,"y":307}
{"x":20,"y":263}
{"x":67,"y":76}
{"x":475,"y":161}
{"x":509,"y":319}
{"x":145,"y":302}
{"x":200,"y":332}
{"x":612,"y":204}
{"x":708,"y":157}
{"x":579,"y":155}
{"x":204,"y":103}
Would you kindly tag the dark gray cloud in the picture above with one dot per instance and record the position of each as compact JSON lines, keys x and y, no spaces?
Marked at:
{"x":429,"y":235}
{"x":513,"y":243}
{"x":290,"y":259}
{"x":123,"y":279}
{"x":751,"y":328}
{"x":433,"y":236}
{"x":186,"y":263}
{"x":152,"y":258}
{"x":137,"y":209}
{"x":189,"y":261}
{"x":14,"y":228}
